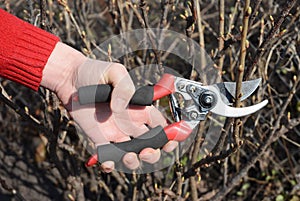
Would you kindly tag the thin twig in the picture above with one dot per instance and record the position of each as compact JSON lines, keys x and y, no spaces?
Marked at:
{"x":221,"y":32}
{"x":230,"y":39}
{"x":201,"y":39}
{"x":134,"y":187}
{"x":179,"y":180}
{"x":189,"y":29}
{"x":103,"y":185}
{"x":165,"y":6}
{"x":157,"y":54}
{"x":240,"y":74}
{"x":195,"y":154}
{"x":254,"y":13}
{"x":207,"y":161}
{"x":243,"y":51}
{"x":43,"y":16}
{"x":76,"y":184}
{"x":232,"y":17}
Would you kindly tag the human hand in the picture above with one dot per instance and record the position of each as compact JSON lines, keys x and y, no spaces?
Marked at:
{"x":67,"y":70}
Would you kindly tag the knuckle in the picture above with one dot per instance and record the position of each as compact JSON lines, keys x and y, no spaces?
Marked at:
{"x":119,"y":67}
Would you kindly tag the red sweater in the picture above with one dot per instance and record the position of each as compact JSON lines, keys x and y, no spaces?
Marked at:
{"x":24,"y":50}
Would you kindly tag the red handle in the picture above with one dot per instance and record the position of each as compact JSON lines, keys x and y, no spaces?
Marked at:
{"x":178,"y":131}
{"x":164,"y":86}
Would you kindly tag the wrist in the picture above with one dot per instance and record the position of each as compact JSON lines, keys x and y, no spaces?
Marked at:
{"x":59,"y":72}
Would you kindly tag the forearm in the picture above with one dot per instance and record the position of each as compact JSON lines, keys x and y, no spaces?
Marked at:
{"x":24,"y":50}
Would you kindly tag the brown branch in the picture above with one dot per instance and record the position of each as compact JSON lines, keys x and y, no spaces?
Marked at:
{"x":179,"y":179}
{"x":240,"y":71}
{"x":157,"y":54}
{"x":137,"y":14}
{"x":6,"y":100}
{"x":221,"y":142}
{"x":106,"y":189}
{"x":76,"y":184}
{"x":254,"y":12}
{"x":207,"y":161}
{"x":269,"y":38}
{"x":189,"y":30}
{"x":221,"y":32}
{"x":195,"y":154}
{"x":134,"y":187}
{"x":165,"y":6}
{"x":231,"y":21}
{"x":203,"y":62}
{"x":122,"y":17}
{"x":43,"y":15}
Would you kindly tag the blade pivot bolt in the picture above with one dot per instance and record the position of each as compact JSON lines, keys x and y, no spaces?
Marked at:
{"x":207,"y":99}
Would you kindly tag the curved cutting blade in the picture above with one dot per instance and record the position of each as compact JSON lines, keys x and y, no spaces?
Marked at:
{"x":221,"y":108}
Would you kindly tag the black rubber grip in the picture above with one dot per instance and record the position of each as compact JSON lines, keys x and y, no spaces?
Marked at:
{"x":154,"y":138}
{"x":102,"y":93}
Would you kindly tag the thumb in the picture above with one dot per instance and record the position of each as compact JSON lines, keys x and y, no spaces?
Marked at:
{"x":124,"y":89}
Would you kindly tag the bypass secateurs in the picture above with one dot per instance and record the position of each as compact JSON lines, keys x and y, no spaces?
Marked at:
{"x":198,"y":101}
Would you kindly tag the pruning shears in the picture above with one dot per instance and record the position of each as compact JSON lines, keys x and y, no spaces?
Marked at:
{"x":198,"y":101}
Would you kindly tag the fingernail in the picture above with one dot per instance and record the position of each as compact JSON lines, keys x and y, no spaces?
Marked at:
{"x":150,"y":156}
{"x":130,"y":160}
{"x":108,"y":166}
{"x":146,"y":156}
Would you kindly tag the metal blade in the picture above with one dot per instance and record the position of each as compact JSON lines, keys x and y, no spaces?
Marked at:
{"x":227,"y":89}
{"x":221,"y":108}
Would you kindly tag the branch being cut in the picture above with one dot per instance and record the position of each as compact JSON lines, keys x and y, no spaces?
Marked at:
{"x":240,"y":71}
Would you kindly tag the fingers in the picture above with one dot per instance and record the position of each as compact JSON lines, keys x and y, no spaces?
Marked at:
{"x":99,"y":72}
{"x":170,"y":146}
{"x":108,"y":166}
{"x":155,"y":117}
{"x":105,"y":124}
{"x":91,"y":72}
{"x":131,"y":161}
{"x":150,"y":155}
{"x":124,"y":89}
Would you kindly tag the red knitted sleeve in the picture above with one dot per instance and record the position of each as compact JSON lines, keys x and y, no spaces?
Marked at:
{"x":24,"y":50}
